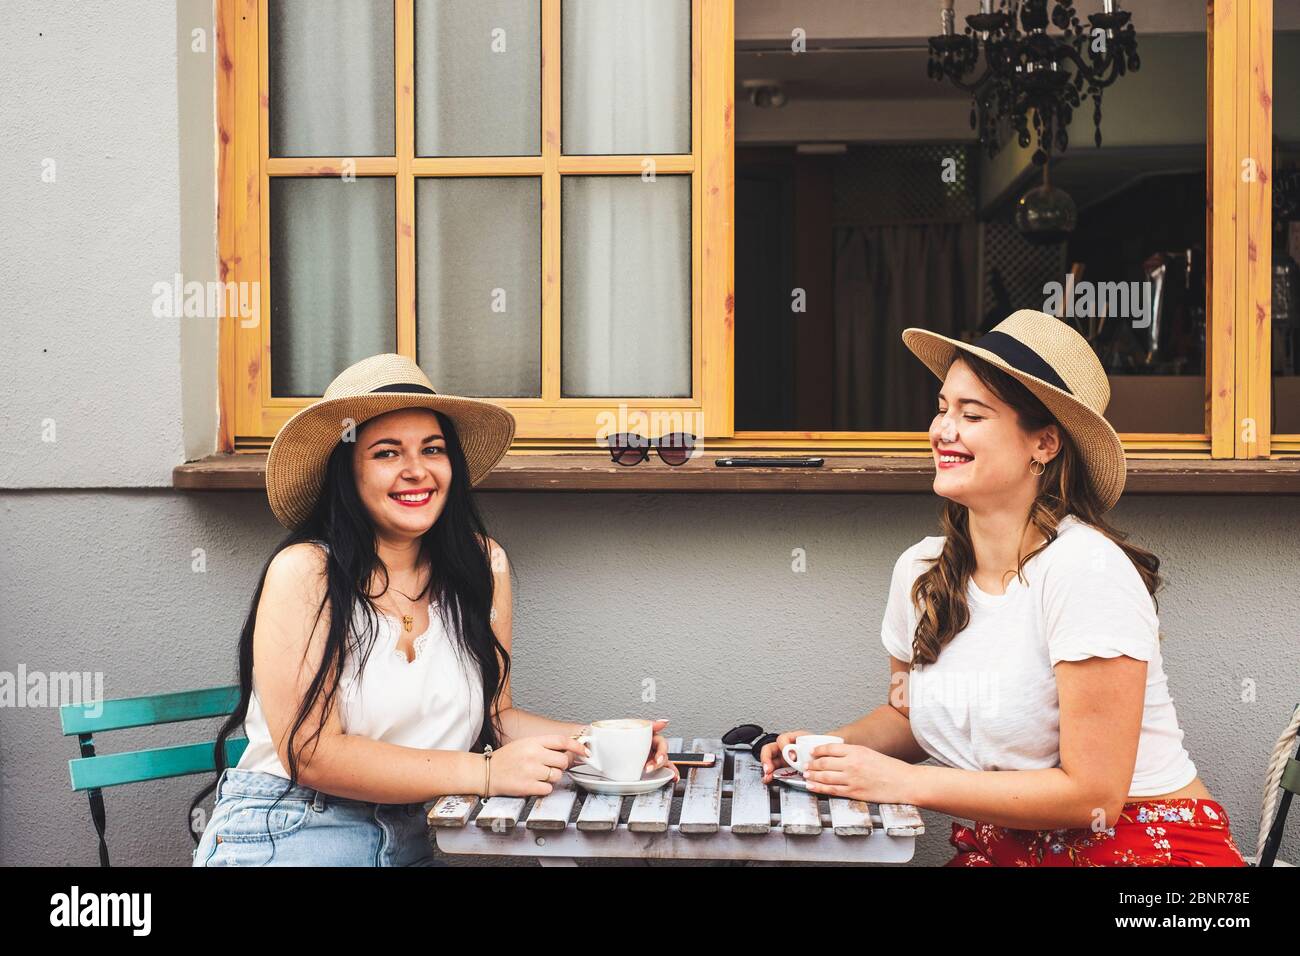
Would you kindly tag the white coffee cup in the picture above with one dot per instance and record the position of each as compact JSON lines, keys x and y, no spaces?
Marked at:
{"x":799,"y":753}
{"x":619,"y":748}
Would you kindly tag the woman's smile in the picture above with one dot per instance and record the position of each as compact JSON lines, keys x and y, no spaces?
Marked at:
{"x":952,"y":459}
{"x":412,"y":499}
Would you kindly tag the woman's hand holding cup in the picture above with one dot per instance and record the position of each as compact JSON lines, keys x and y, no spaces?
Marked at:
{"x":625,"y":749}
{"x":531,"y":766}
{"x":772,"y":753}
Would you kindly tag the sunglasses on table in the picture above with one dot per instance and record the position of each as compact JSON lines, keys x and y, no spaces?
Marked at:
{"x":749,"y":737}
{"x":629,"y":448}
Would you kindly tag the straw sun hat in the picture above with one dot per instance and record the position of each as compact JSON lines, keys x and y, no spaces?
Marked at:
{"x":295,"y":467}
{"x":1056,"y":363}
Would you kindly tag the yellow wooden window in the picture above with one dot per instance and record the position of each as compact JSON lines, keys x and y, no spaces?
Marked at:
{"x":456,"y":181}
{"x":560,"y":183}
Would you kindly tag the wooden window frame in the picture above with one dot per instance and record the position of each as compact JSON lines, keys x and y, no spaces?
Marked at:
{"x":1238,"y":383}
{"x":1255,"y":248}
{"x":251,"y":416}
{"x":1241,"y":45}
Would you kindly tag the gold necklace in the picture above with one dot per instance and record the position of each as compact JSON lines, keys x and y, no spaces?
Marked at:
{"x":408,"y":620}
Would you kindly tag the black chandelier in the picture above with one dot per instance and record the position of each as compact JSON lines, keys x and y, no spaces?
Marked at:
{"x":1033,"y":79}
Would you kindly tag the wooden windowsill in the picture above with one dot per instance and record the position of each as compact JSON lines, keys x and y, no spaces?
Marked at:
{"x":843,"y":474}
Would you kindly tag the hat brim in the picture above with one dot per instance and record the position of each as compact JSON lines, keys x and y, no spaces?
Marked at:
{"x":295,"y":465}
{"x":1096,"y":439}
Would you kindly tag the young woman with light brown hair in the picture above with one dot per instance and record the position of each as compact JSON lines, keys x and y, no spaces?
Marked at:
{"x":1024,"y":644}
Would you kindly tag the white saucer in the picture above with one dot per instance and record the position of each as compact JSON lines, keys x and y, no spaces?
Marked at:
{"x":791,"y":778}
{"x":590,"y":780}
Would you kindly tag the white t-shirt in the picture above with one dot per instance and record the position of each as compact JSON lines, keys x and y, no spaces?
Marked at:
{"x":990,"y":703}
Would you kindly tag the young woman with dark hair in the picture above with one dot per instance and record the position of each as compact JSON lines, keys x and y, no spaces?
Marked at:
{"x":374,"y":665}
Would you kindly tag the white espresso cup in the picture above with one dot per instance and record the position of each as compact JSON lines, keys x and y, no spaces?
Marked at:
{"x":619,"y":748}
{"x":799,"y":753}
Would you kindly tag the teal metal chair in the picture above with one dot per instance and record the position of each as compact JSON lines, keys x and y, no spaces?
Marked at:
{"x":93,"y":772}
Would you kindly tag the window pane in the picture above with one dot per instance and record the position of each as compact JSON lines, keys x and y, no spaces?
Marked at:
{"x":627,"y":76}
{"x":1142,"y":206}
{"x":331,"y":77}
{"x":479,"y":286}
{"x":1285,"y":360}
{"x":865,"y":205}
{"x":478,"y":87}
{"x":333,"y":278}
{"x":627,"y":286}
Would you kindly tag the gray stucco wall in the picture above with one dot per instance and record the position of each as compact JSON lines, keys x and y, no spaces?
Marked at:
{"x":91,"y":176}
{"x":696,"y":592}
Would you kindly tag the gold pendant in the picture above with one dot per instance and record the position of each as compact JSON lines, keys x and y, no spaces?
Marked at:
{"x":407,"y":621}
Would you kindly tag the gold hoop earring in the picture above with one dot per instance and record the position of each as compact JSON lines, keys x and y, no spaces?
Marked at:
{"x":1041,"y":467}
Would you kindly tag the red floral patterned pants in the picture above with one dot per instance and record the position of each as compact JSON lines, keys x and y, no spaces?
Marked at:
{"x":1176,"y":832}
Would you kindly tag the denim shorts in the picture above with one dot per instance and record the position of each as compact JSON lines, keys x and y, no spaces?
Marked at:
{"x":308,"y":828}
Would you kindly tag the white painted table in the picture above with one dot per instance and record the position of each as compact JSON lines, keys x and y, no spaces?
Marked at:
{"x":687,"y":822}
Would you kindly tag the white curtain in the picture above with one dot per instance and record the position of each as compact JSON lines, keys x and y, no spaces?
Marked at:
{"x":478,"y":86}
{"x":627,"y":280}
{"x":626,"y":76}
{"x":331,"y":77}
{"x":627,"y":239}
{"x":478,"y":285}
{"x":333,"y":278}
{"x":889,"y":278}
{"x":627,"y":286}
{"x":333,"y":296}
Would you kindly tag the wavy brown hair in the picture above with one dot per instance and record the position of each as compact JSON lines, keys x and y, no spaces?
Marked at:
{"x":939,"y":593}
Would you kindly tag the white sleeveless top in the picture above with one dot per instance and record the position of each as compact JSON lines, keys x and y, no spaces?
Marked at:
{"x":990,"y":702}
{"x":434,"y":702}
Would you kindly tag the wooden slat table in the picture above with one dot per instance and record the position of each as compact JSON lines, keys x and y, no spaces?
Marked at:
{"x":687,"y":822}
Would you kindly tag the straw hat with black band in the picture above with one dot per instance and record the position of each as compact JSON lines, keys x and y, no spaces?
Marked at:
{"x":1055,"y":363}
{"x":295,"y":467}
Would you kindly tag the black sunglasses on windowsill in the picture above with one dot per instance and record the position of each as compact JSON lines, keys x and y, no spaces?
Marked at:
{"x":629,"y":448}
{"x":749,"y":737}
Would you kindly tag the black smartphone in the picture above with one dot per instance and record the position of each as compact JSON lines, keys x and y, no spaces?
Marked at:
{"x":693,"y":760}
{"x":770,"y":462}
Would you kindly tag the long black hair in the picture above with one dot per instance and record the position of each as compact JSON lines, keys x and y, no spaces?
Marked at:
{"x":455,"y":549}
